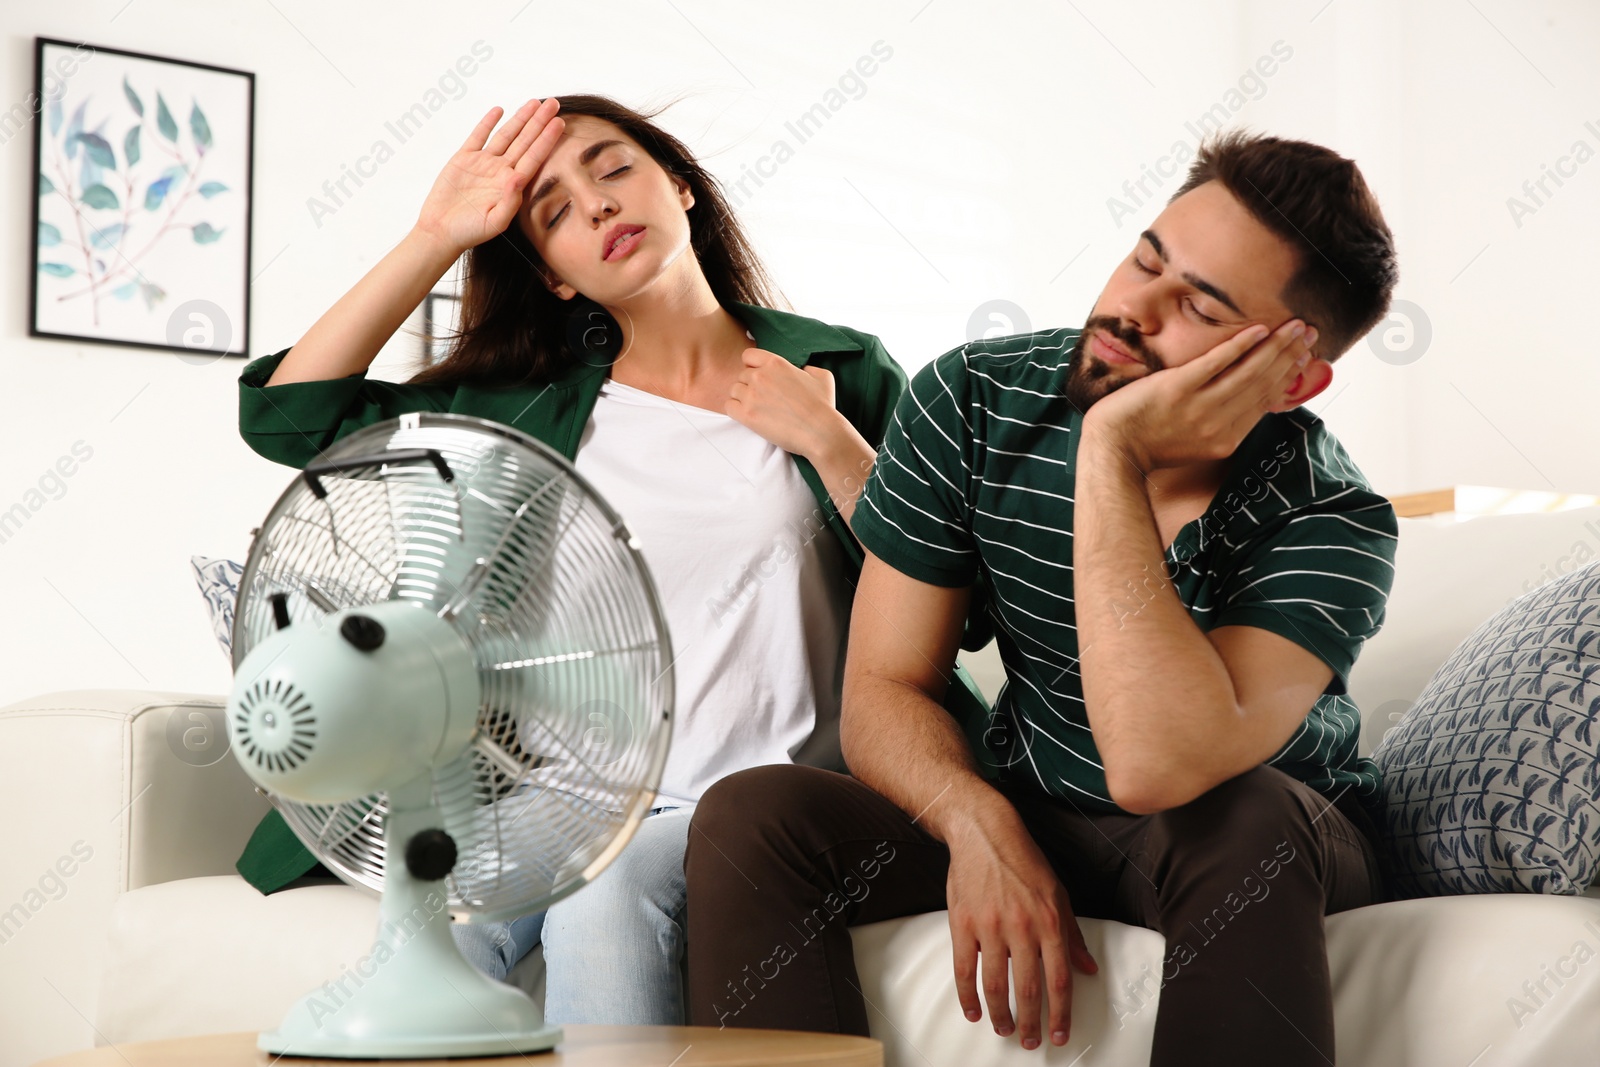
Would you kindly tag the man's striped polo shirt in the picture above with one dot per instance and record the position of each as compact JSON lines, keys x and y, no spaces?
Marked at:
{"x":974,"y":485}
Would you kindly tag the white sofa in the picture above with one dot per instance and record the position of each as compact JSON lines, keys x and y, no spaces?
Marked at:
{"x":126,"y":922}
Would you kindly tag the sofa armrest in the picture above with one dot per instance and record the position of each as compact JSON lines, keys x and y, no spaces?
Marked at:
{"x":99,"y":801}
{"x":151,"y":767}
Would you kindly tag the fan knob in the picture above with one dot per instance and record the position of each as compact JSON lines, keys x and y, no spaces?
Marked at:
{"x":430,"y":855}
{"x":362,"y":631}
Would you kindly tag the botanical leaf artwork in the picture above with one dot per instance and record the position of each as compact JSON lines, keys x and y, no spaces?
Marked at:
{"x":134,"y":182}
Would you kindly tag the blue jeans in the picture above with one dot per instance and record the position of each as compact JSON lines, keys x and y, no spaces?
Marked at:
{"x":613,"y":951}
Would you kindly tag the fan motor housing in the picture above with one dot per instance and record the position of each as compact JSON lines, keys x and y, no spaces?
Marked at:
{"x":320,"y":716}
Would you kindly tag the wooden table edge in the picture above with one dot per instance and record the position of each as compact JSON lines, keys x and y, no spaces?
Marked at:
{"x":583,"y":1046}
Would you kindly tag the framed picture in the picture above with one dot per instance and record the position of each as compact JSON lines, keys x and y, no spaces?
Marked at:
{"x":141,"y":206}
{"x":441,"y":317}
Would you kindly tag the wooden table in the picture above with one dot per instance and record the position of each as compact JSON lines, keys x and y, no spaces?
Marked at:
{"x":585,"y":1046}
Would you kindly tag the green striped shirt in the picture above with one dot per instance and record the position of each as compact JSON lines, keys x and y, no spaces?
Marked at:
{"x":974,"y":486}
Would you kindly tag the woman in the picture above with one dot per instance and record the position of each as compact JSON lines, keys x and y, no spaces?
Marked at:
{"x":613,"y":308}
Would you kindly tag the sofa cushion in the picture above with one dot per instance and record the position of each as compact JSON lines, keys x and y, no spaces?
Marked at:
{"x":219,"y":585}
{"x":1425,"y":983}
{"x":1416,"y":983}
{"x":212,"y":955}
{"x":1492,"y":780}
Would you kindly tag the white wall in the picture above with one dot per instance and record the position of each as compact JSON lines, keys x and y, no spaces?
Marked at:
{"x":976,"y":166}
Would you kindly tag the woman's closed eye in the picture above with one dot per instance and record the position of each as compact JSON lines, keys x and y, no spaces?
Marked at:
{"x":554,"y":218}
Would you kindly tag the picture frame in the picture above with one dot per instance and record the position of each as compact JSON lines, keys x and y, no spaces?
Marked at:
{"x":141,"y":209}
{"x":441,"y":317}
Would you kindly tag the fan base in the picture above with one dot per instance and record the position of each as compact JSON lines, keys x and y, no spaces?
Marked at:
{"x":426,"y":1002}
{"x":413,"y":997}
{"x":279,"y":1042}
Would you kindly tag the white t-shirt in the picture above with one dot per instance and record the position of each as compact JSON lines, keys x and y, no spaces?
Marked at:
{"x":751,"y":582}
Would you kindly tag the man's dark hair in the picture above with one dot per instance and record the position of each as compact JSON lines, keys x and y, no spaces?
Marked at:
{"x":1317,"y":201}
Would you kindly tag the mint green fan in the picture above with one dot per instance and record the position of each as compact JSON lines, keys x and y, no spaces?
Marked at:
{"x":453,"y":678}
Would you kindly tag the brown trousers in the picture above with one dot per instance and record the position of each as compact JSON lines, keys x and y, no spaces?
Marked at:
{"x":783,"y":859}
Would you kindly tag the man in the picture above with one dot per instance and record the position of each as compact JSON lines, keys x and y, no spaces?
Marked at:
{"x":1180,"y":564}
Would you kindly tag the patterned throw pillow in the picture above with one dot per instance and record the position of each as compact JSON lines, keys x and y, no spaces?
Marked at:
{"x":1492,"y":780}
{"x":219,"y":584}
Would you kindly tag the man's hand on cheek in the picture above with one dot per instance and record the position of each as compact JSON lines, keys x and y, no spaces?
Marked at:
{"x":1201,"y":410}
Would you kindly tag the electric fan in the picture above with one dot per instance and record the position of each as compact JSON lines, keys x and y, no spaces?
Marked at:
{"x":453,"y":678}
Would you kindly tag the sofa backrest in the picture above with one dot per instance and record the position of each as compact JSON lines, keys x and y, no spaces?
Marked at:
{"x":1450,"y":576}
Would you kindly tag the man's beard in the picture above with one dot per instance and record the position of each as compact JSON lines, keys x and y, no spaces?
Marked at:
{"x":1091,"y":378}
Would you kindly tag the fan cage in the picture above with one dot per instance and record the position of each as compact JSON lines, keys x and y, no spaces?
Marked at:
{"x":544,"y":583}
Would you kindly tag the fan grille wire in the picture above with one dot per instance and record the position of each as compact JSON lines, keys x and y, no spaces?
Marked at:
{"x":564,"y":625}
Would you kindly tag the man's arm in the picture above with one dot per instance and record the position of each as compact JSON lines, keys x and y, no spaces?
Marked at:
{"x":1174,"y":710}
{"x":896,"y":736}
{"x":1004,"y":899}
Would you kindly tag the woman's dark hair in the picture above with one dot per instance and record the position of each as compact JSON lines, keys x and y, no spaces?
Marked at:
{"x":1317,"y":201}
{"x":513,"y":330}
